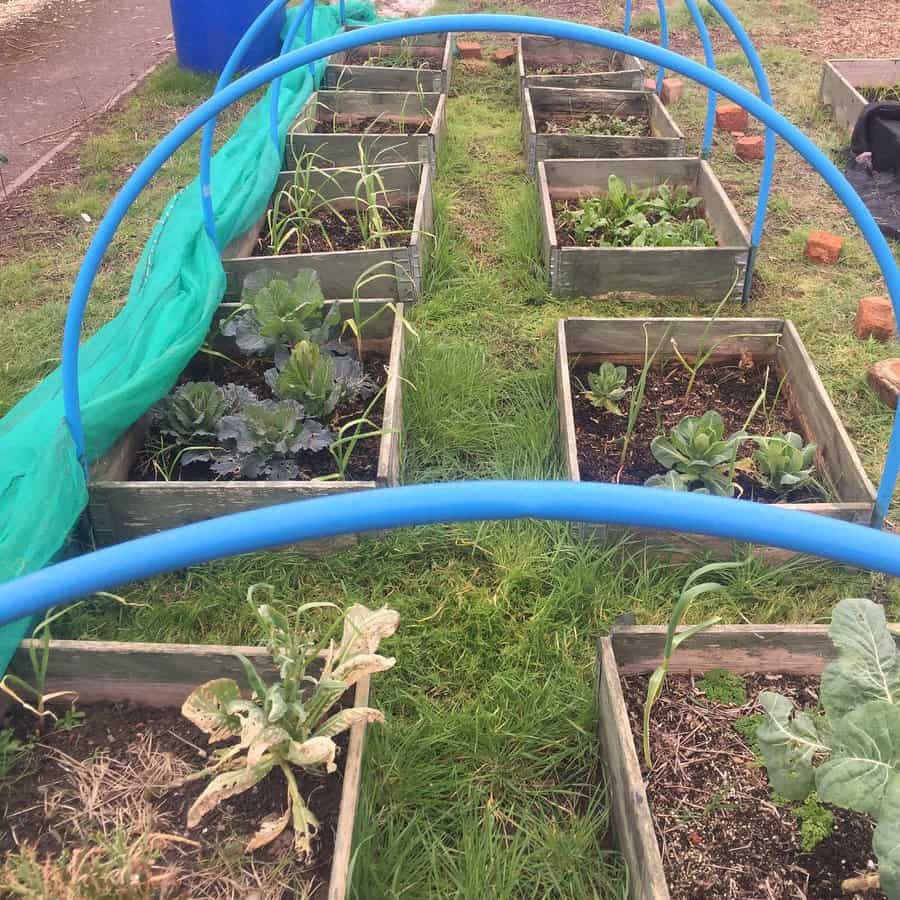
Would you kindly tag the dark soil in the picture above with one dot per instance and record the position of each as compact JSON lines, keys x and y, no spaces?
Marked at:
{"x":111,"y":728}
{"x":720,"y":834}
{"x":565,"y":235}
{"x":250,"y":372}
{"x":563,"y":123}
{"x":731,"y":390}
{"x":344,"y":234}
{"x":364,"y":57}
{"x":398,"y":125}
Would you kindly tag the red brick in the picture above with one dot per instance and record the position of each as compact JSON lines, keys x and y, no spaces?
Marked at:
{"x":875,"y":318}
{"x":469,"y":49}
{"x":731,"y":117}
{"x":672,"y":89}
{"x":884,"y":379}
{"x":650,"y":84}
{"x":737,"y":134}
{"x":750,"y":147}
{"x":823,"y":247}
{"x":506,"y":56}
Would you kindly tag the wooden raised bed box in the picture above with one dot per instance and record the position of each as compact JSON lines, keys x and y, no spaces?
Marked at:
{"x":802,"y":650}
{"x":696,"y":272}
{"x":541,"y":105}
{"x":407,"y":186}
{"x":574,"y":65}
{"x":431,"y":63}
{"x":121,"y":507}
{"x":353,"y":113}
{"x":585,"y":343}
{"x":163,"y":675}
{"x":843,"y":81}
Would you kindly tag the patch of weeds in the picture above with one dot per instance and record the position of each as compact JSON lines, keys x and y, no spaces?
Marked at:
{"x":816,"y":823}
{"x":746,"y":727}
{"x":721,"y":686}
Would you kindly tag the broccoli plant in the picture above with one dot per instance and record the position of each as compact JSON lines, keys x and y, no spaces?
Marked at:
{"x":607,"y":387}
{"x":785,"y":464}
{"x":698,"y":451}
{"x":289,"y":724}
{"x":264,"y":438}
{"x":279,"y":313}
{"x":850,"y":754}
{"x":320,"y":380}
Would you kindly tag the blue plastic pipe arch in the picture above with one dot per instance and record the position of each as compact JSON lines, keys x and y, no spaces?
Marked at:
{"x":465,"y":501}
{"x":710,"y":59}
{"x":305,"y":15}
{"x":474,"y":22}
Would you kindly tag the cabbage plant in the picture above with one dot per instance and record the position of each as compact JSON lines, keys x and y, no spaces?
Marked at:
{"x":849,"y":753}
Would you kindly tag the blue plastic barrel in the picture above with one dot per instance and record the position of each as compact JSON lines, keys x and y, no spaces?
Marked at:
{"x":206,"y":31}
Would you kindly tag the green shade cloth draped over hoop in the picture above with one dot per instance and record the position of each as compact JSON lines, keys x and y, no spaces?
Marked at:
{"x":136,"y":358}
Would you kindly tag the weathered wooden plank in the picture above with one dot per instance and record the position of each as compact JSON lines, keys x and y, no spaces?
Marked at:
{"x":164,"y":675}
{"x":570,"y":179}
{"x":836,"y":453}
{"x":614,"y":70}
{"x":632,"y":817}
{"x":340,"y":271}
{"x":592,"y":341}
{"x":742,"y":649}
{"x":564,"y":403}
{"x":549,"y":243}
{"x":842,"y":77}
{"x":343,"y":149}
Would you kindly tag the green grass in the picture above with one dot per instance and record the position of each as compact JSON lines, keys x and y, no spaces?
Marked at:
{"x":483,"y":782}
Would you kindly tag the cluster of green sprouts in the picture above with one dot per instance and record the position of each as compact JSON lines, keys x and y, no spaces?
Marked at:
{"x":600,"y":123}
{"x":653,"y":217}
{"x":289,"y":724}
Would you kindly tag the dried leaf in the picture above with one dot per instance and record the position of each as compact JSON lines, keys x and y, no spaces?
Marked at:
{"x":364,"y":628}
{"x":270,"y":737}
{"x":313,"y":752}
{"x":347,"y":718}
{"x":229,"y":784}
{"x":207,"y":708}
{"x":363,"y":664}
{"x":269,"y":829}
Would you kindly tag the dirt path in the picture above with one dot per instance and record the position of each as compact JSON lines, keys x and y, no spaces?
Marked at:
{"x":62,"y":61}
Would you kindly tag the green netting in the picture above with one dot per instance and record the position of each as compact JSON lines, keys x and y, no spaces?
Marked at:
{"x":137,"y":357}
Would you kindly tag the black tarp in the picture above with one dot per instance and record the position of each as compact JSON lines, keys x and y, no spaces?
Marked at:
{"x":873,"y":167}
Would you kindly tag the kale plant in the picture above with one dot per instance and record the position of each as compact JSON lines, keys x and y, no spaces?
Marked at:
{"x":279,"y":314}
{"x":606,"y":387}
{"x":319,"y":379}
{"x":264,"y":438}
{"x":289,"y":724}
{"x":850,"y":754}
{"x":698,"y":451}
{"x":785,"y":464}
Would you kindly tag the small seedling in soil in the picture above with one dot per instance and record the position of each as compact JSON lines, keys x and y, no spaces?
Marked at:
{"x":815,"y":821}
{"x":597,"y":123}
{"x":606,"y":387}
{"x":290,"y":723}
{"x":720,"y":686}
{"x":697,"y":452}
{"x":746,"y":727}
{"x":850,"y":756}
{"x":674,"y":639}
{"x":785,"y":464}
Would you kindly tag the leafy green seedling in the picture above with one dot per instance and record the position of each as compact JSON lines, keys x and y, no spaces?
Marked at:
{"x":785,"y":464}
{"x":289,"y":724}
{"x":606,"y":387}
{"x":815,"y":821}
{"x":850,"y":756}
{"x":698,"y":450}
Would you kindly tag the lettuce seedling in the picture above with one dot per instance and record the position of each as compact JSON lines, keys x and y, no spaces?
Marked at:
{"x":850,"y":756}
{"x":279,"y":314}
{"x":785,"y":464}
{"x":264,"y":438}
{"x":607,"y":387}
{"x":289,"y":724}
{"x":698,"y":451}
